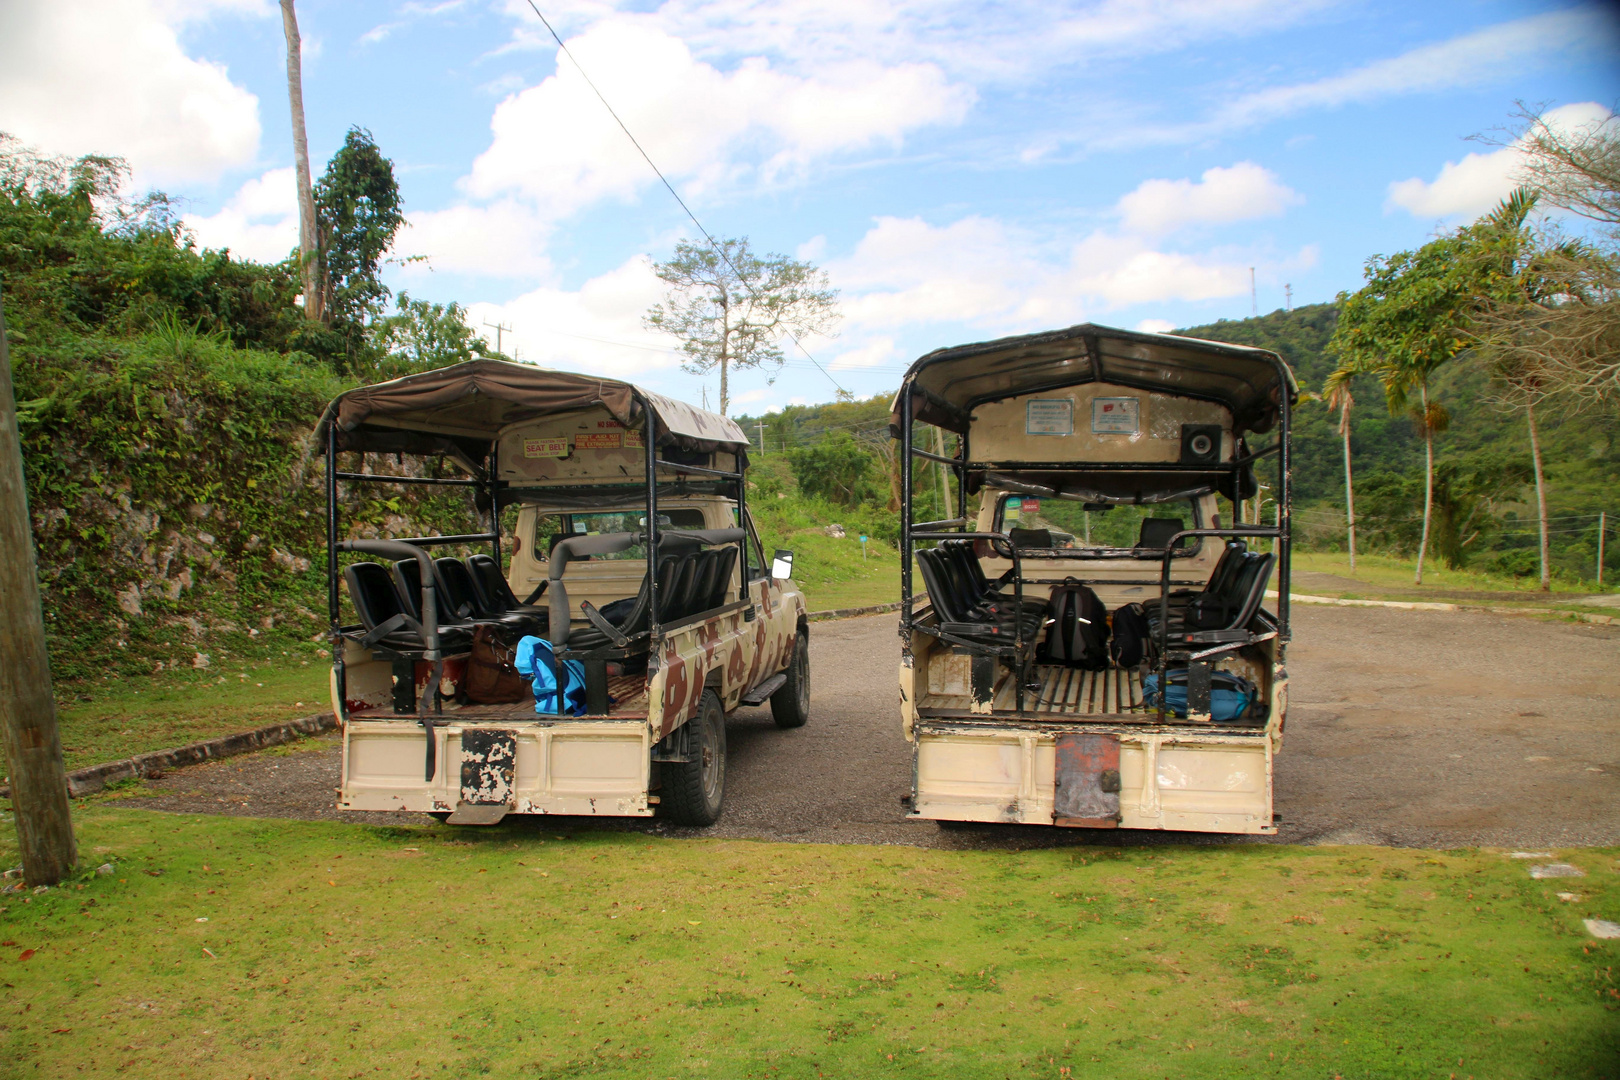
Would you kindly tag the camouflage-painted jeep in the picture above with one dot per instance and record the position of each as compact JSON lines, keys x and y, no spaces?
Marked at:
{"x":645,"y":592}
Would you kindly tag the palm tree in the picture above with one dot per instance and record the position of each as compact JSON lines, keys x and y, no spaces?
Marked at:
{"x":1336,"y":395}
{"x":1404,"y":325}
{"x":1523,"y":280}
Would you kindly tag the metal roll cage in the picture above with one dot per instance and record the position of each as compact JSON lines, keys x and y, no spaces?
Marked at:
{"x":486,"y":481}
{"x":964,"y":467}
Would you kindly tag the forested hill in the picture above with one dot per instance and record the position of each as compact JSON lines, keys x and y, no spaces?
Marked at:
{"x":1484,"y":496}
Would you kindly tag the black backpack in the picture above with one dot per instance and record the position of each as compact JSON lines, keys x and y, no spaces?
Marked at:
{"x":1130,"y":635}
{"x":1078,"y":636}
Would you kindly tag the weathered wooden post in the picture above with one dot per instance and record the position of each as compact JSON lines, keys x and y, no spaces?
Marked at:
{"x":39,"y":795}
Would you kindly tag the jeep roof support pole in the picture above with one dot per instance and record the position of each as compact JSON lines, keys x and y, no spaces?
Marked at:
{"x":650,"y":437}
{"x":742,"y":523}
{"x":905,"y":511}
{"x":492,"y":467}
{"x":1285,"y":497}
{"x":334,"y":609}
{"x":962,"y":478}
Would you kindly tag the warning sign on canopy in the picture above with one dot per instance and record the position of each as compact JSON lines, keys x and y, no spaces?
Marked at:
{"x":1049,"y":416}
{"x":1116,"y":415}
{"x":598,"y":440}
{"x":543,"y":448}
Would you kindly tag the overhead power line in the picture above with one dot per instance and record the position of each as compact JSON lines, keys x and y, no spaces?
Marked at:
{"x":718,"y":250}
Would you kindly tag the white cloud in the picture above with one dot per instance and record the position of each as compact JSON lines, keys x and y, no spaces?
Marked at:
{"x":555,"y":143}
{"x":1155,"y":326}
{"x":1009,"y":42}
{"x":1481,"y":56}
{"x":980,"y":272}
{"x":505,"y":238}
{"x":876,"y":352}
{"x":1472,"y":186}
{"x":1239,"y":193}
{"x":596,"y":328}
{"x":1493,"y":54}
{"x":260,"y":221}
{"x":111,"y":77}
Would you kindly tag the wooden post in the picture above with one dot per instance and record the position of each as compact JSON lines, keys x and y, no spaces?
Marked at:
{"x":1603,"y":524}
{"x":39,"y":796}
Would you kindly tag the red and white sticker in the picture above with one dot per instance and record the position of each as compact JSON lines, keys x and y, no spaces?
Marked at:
{"x":599,"y":440}
{"x":544,"y":448}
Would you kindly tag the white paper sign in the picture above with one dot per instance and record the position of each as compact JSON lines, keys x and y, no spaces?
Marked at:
{"x":1116,"y":415}
{"x":1049,"y":416}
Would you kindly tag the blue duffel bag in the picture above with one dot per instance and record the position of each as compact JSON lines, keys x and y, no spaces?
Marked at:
{"x":533,"y":661}
{"x":1230,"y":696}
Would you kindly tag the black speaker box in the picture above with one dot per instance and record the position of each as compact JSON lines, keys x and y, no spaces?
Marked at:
{"x":1200,"y":444}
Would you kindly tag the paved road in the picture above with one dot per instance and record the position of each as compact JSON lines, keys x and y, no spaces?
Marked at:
{"x":1428,"y":729}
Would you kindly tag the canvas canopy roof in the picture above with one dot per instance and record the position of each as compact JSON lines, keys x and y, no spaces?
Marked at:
{"x":461,"y":409}
{"x":947,"y":384}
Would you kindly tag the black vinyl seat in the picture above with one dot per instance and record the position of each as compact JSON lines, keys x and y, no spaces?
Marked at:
{"x":391,"y":623}
{"x":462,"y":598}
{"x":623,"y":618}
{"x":493,"y":593}
{"x":961,"y":615}
{"x":727,"y":562}
{"x":976,"y":587}
{"x":1157,"y":531}
{"x":1030,"y":538}
{"x":1225,"y":606}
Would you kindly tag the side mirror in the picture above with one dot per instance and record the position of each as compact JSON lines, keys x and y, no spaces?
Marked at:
{"x":782,"y":564}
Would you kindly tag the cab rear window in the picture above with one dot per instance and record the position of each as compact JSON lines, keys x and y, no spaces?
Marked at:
{"x":550,"y":529}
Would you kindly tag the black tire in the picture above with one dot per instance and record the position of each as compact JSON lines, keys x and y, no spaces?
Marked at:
{"x":790,"y":705}
{"x":694,"y":791}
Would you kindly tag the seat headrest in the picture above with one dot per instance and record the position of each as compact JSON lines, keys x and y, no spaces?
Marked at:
{"x":1156,"y":532}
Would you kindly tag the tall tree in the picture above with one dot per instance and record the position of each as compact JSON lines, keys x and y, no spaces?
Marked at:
{"x":1403,"y":326}
{"x":359,"y":209}
{"x":1336,"y":395}
{"x":730,"y":308}
{"x":308,"y":231}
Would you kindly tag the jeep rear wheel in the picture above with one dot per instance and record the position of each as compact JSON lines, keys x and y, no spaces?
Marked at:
{"x":790,"y":705}
{"x":693,"y":791}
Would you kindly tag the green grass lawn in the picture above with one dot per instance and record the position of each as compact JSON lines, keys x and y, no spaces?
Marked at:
{"x":1382,"y":574}
{"x":235,"y":947}
{"x":107,"y":721}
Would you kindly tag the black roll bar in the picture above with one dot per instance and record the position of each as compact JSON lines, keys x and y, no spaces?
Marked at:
{"x":379,"y":478}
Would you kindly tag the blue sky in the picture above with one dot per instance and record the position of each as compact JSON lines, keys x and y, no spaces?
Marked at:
{"x":961,"y":170}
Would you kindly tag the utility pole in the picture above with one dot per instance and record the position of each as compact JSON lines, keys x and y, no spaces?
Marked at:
{"x":761,"y":426}
{"x":497,"y":327}
{"x":1288,"y":298}
{"x":1254,"y":297}
{"x":309,"y":253}
{"x":1603,"y":527}
{"x":39,"y":795}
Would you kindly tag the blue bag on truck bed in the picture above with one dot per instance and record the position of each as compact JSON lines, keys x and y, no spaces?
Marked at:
{"x":534,"y":662}
{"x":1230,"y":696}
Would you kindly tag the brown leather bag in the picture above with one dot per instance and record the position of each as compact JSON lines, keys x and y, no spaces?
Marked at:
{"x":492,"y":679}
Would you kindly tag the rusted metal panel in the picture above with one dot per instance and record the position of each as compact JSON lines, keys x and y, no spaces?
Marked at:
{"x":488,"y":766}
{"x":1088,"y":783}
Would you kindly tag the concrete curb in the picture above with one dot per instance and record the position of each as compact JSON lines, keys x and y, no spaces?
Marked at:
{"x":93,"y":778}
{"x":1418,"y":605}
{"x":853,"y":612}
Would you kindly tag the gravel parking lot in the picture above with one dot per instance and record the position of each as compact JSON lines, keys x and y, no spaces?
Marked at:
{"x":1421,"y":729}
